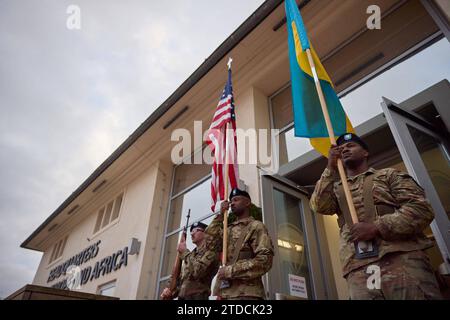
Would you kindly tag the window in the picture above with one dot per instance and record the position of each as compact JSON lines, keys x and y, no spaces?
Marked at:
{"x":58,"y":249}
{"x":197,"y":200}
{"x":189,"y":174}
{"x":292,"y":241}
{"x":108,"y":213}
{"x":290,"y":147}
{"x":107,"y":289}
{"x":399,"y":83}
{"x":437,"y":163}
{"x":191,"y":190}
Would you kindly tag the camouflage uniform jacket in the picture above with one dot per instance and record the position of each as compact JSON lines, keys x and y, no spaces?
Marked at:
{"x":198,"y":269}
{"x":254,"y":260}
{"x":400,"y":231}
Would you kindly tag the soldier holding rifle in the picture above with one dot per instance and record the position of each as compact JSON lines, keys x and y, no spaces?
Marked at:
{"x":198,"y":268}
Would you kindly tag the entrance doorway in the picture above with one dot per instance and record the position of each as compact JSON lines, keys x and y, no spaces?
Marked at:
{"x":299,"y":270}
{"x":423,"y":140}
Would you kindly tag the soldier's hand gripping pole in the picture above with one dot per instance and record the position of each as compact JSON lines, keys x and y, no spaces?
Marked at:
{"x":326,"y":115}
{"x":363,"y":249}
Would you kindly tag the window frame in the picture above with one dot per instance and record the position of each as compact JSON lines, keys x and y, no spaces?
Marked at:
{"x":104,"y":207}
{"x":107,"y":285}
{"x":57,"y":251}
{"x":162,"y":278}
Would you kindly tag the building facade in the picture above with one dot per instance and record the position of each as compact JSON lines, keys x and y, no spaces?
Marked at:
{"x":120,"y":228}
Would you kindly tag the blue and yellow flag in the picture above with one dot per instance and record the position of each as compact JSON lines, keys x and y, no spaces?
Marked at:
{"x":309,"y":121}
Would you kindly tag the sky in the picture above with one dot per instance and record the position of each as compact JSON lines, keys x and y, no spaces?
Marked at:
{"x":70,"y":97}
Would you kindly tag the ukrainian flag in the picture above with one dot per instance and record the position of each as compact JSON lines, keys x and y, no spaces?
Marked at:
{"x":309,"y":121}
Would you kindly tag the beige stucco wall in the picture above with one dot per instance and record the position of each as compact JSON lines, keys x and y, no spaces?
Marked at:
{"x":150,"y":264}
{"x":134,"y":221}
{"x":444,"y":6}
{"x":252,"y":112}
{"x":332,"y":234}
{"x":245,"y":119}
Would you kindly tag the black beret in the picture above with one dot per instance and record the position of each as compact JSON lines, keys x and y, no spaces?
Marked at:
{"x":347,"y":137}
{"x":200,"y":225}
{"x":238,"y":192}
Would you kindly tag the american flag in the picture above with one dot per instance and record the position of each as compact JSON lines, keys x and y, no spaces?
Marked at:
{"x":223,"y":145}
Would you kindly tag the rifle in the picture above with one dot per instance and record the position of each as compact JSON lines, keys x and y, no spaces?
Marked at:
{"x":176,"y":270}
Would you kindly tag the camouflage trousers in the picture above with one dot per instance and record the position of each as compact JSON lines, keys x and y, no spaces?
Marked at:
{"x":198,"y":296}
{"x":243,"y":298}
{"x":396,"y":276}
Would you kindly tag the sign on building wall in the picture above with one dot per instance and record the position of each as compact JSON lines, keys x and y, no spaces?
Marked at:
{"x":297,"y":286}
{"x":104,"y":266}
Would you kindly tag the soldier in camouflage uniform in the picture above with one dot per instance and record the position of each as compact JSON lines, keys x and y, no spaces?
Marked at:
{"x":395,"y":222}
{"x":250,"y":251}
{"x":199,"y":267}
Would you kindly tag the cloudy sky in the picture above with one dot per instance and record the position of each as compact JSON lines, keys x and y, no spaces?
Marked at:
{"x":69,"y":98}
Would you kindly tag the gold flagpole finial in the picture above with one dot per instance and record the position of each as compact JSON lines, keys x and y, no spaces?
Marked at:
{"x":230,"y":60}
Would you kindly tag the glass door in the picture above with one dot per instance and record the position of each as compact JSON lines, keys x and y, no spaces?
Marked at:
{"x":297,"y":271}
{"x":424,"y":148}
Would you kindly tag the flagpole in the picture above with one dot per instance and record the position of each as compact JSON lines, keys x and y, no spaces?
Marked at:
{"x":326,"y":115}
{"x":225,"y":214}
